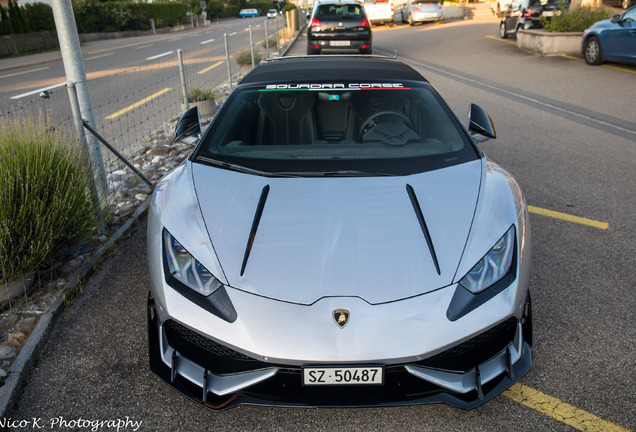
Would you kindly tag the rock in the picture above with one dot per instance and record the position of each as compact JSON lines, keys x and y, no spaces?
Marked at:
{"x":26,"y":324}
{"x":7,"y":352}
{"x":3,"y":374}
{"x":16,"y":338}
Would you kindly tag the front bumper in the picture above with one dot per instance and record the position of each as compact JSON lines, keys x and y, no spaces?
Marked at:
{"x":218,"y":377}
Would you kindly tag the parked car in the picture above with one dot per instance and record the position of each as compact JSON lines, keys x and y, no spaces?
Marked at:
{"x":337,"y":238}
{"x":625,"y":4}
{"x":611,"y":40}
{"x":418,"y":11}
{"x":527,"y":14}
{"x":338,"y":26}
{"x":271,"y":13}
{"x":499,"y":6}
{"x":247,"y":13}
{"x":379,"y":11}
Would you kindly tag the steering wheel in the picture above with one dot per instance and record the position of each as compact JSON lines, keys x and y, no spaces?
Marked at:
{"x":370,"y":120}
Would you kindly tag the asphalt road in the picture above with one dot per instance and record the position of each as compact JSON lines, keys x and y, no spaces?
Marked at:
{"x":567,"y":131}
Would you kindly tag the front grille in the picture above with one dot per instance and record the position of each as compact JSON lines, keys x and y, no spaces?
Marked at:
{"x":476,"y":350}
{"x":211,"y":355}
{"x":175,"y":330}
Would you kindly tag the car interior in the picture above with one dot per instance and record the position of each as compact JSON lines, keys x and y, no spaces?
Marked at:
{"x":382,"y":120}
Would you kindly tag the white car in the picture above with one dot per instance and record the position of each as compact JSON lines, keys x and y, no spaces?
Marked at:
{"x":337,"y":238}
{"x":271,"y":13}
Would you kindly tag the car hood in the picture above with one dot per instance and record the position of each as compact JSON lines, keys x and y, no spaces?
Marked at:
{"x":303,"y":239}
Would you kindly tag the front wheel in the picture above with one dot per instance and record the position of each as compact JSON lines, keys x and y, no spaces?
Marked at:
{"x":502,"y":31}
{"x":592,"y":52}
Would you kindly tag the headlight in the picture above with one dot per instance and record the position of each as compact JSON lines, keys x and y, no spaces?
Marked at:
{"x":493,"y":267}
{"x":186,"y":269}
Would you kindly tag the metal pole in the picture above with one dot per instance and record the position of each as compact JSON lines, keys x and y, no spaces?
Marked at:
{"x":77,"y":115}
{"x":277,"y":35}
{"x":75,"y":72}
{"x":184,"y":87}
{"x":266,"y":41}
{"x":252,"y":46}
{"x":79,"y":126}
{"x":227,"y":59}
{"x":116,"y":153}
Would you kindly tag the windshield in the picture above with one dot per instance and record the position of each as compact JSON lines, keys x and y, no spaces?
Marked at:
{"x":391,"y":128}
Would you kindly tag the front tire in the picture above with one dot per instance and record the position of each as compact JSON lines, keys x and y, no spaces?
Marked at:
{"x":592,"y":52}
{"x":502,"y":30}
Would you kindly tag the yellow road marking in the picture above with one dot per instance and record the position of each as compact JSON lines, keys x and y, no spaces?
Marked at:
{"x":210,"y":68}
{"x":99,"y":56}
{"x":622,"y":69}
{"x":25,"y":72}
{"x":501,"y":40}
{"x":137,"y":104}
{"x":144,"y":46}
{"x":568,"y":217}
{"x":559,"y":410}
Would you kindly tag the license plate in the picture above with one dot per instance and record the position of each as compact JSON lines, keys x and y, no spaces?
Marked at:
{"x":343,"y":375}
{"x":548,"y":13}
{"x":340,"y":43}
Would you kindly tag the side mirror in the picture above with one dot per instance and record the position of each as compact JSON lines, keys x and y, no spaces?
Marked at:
{"x":615,"y":19}
{"x":188,"y":129}
{"x":480,"y":124}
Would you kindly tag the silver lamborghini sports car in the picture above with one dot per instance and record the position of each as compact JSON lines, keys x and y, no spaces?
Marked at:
{"x":336,"y":238}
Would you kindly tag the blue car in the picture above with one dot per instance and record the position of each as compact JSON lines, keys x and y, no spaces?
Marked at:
{"x":611,"y":40}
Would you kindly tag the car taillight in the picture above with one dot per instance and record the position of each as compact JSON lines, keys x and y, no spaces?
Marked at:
{"x":528,"y":13}
{"x":441,"y":7}
{"x":315,"y":23}
{"x":365,"y":23}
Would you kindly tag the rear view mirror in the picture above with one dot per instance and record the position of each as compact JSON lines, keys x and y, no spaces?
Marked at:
{"x":480,"y":124}
{"x":188,"y":129}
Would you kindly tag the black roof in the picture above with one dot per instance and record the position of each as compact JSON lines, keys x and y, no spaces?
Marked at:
{"x":329,"y":68}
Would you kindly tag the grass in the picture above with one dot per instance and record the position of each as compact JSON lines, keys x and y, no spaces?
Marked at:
{"x":197,"y":95}
{"x":244,"y":57}
{"x":45,"y":200}
{"x":576,"y":20}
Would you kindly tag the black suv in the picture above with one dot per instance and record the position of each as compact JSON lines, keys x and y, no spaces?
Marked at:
{"x":526,"y":14}
{"x":338,"y":26}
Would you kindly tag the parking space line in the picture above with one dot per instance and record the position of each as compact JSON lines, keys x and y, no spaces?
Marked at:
{"x":568,"y":217}
{"x":501,"y":40}
{"x":24,"y":72}
{"x":211,"y":67}
{"x":610,"y":66}
{"x":559,"y":410}
{"x":137,"y":104}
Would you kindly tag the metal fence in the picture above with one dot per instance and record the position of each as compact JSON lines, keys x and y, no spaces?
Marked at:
{"x":135,"y":119}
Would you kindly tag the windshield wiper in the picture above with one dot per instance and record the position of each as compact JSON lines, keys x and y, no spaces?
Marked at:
{"x":232,"y":166}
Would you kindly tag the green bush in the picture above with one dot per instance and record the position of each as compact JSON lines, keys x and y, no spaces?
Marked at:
{"x":271,"y":41}
{"x":244,"y":57}
{"x":45,"y":201}
{"x":197,"y":95}
{"x":40,"y":16}
{"x":576,"y":20}
{"x":94,"y":17}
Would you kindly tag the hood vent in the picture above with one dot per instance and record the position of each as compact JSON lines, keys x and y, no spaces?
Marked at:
{"x":257,"y":220}
{"x":420,"y":218}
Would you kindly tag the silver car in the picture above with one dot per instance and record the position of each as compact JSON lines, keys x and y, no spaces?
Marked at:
{"x":418,"y":11}
{"x":337,"y":238}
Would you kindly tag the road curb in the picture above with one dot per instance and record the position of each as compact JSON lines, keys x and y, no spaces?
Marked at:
{"x":30,"y":353}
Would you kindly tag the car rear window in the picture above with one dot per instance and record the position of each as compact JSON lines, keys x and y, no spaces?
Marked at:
{"x":386,"y":127}
{"x":338,"y":11}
